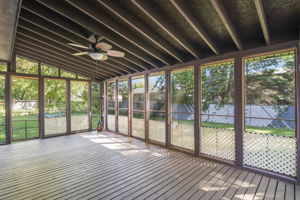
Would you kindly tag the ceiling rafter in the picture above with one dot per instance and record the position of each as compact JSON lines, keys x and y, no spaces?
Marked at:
{"x":70,"y":12}
{"x":60,"y":43}
{"x":31,"y":18}
{"x":45,"y":13}
{"x":165,"y":25}
{"x":141,"y":28}
{"x":20,"y":47}
{"x":263,"y":21}
{"x":194,"y":23}
{"x":46,"y":48}
{"x":221,"y":11}
{"x":89,"y":10}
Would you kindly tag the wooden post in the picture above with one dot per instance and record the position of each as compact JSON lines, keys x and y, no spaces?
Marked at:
{"x":68,"y":114}
{"x":104,"y":104}
{"x":129,"y":107}
{"x":116,"y":106}
{"x":197,"y":111}
{"x":8,"y":109}
{"x":168,"y":108}
{"x":90,"y":105}
{"x":146,"y":107}
{"x":239,"y":108}
{"x":42,"y":107}
{"x":297,"y":103}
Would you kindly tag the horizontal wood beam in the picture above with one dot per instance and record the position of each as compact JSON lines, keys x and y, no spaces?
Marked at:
{"x":139,"y":26}
{"x":262,"y":19}
{"x":221,"y":11}
{"x":113,"y":25}
{"x":21,"y":40}
{"x":152,"y":13}
{"x":70,"y":12}
{"x":194,"y":23}
{"x":54,"y":18}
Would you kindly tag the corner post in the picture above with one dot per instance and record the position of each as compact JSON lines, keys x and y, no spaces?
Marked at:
{"x":117,"y":106}
{"x":90,"y":105}
{"x":168,"y":107}
{"x":129,"y":107}
{"x":297,"y":62}
{"x":197,"y":111}
{"x":8,"y":107}
{"x":68,"y":114}
{"x":147,"y":106}
{"x":42,"y":107}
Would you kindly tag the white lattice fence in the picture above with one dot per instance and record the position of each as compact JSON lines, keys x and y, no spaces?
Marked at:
{"x":123,"y":124}
{"x":218,"y":142}
{"x":157,"y":130}
{"x":183,"y":135}
{"x":138,"y":127}
{"x":271,"y":152}
{"x":111,"y":122}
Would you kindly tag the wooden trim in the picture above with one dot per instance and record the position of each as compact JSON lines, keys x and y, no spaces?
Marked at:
{"x":262,"y":19}
{"x":90,"y":105}
{"x":42,"y":107}
{"x":297,"y":104}
{"x":8,"y":109}
{"x":68,"y":111}
{"x":130,"y":107}
{"x":197,"y":112}
{"x":147,"y":107}
{"x":168,"y":108}
{"x":116,"y":106}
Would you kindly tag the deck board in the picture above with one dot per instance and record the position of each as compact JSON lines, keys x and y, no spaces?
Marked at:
{"x":109,"y":166}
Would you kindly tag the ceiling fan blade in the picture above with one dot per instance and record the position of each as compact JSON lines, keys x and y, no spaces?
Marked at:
{"x":92,"y":39}
{"x":80,"y":53}
{"x":78,"y":45}
{"x":114,"y":53}
{"x":105,"y":57}
{"x":103,"y":46}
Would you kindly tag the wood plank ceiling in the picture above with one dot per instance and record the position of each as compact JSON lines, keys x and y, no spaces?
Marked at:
{"x":153,"y":33}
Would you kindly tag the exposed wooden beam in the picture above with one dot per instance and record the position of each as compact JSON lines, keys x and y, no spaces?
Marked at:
{"x":262,"y":19}
{"x":74,"y":28}
{"x":94,"y":12}
{"x":139,"y":26}
{"x":61,"y":43}
{"x":185,"y":12}
{"x":221,"y":11}
{"x":70,"y":12}
{"x":48,"y":61}
{"x":52,"y":51}
{"x":48,"y":26}
{"x":152,"y":13}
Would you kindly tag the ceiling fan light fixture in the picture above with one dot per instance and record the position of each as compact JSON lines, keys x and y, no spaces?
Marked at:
{"x":96,"y":56}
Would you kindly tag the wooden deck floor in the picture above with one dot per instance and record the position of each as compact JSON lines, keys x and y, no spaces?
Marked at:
{"x":110,"y":166}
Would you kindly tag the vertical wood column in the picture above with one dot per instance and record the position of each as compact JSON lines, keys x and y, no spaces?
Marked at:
{"x":12,"y":66}
{"x":42,"y":107}
{"x":68,"y":114}
{"x":129,"y":107}
{"x":147,"y":107}
{"x":239,"y":108}
{"x":90,"y":105}
{"x":168,"y":105}
{"x":117,"y":106}
{"x":197,"y":111}
{"x":8,"y":109}
{"x":297,"y":59}
{"x":104,"y":98}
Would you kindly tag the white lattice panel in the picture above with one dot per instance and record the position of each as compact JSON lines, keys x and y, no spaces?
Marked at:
{"x":266,"y":151}
{"x":182,"y":135}
{"x":157,"y":130}
{"x":138,"y":127}
{"x":55,"y":125}
{"x":79,"y":122}
{"x":123,"y":124}
{"x":111,"y":122}
{"x":218,"y":142}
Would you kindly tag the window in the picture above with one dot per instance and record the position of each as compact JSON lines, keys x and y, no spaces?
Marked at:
{"x":217,"y":134}
{"x":138,"y":100}
{"x":55,"y":107}
{"x":111,"y":89}
{"x":24,"y":65}
{"x":48,"y":70}
{"x":2,"y":109}
{"x":157,"y":112}
{"x":67,"y":74}
{"x":96,"y":102}
{"x":269,"y":140}
{"x":123,"y":106}
{"x":182,"y":97}
{"x":79,"y":105}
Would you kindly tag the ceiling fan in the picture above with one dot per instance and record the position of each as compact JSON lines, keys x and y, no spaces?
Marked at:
{"x":97,"y":50}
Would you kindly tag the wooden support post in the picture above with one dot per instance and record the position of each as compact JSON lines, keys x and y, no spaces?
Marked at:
{"x":68,"y":114}
{"x":13,"y":63}
{"x":297,"y":59}
{"x":168,"y":108}
{"x":42,"y":107}
{"x":147,"y":107}
{"x":104,"y":105}
{"x":197,"y":111}
{"x":90,"y":105}
{"x":8,"y":109}
{"x":117,"y":106}
{"x":239,"y":108}
{"x":129,"y":107}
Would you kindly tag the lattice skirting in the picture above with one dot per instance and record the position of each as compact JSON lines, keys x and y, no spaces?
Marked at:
{"x":182,"y":135}
{"x":157,"y":130}
{"x":123,"y":124}
{"x":218,"y":142}
{"x":55,"y":125}
{"x":79,"y":122}
{"x":138,"y":127}
{"x":270,"y":152}
{"x":111,"y":122}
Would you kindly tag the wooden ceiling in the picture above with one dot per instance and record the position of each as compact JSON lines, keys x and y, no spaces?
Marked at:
{"x":152,"y":33}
